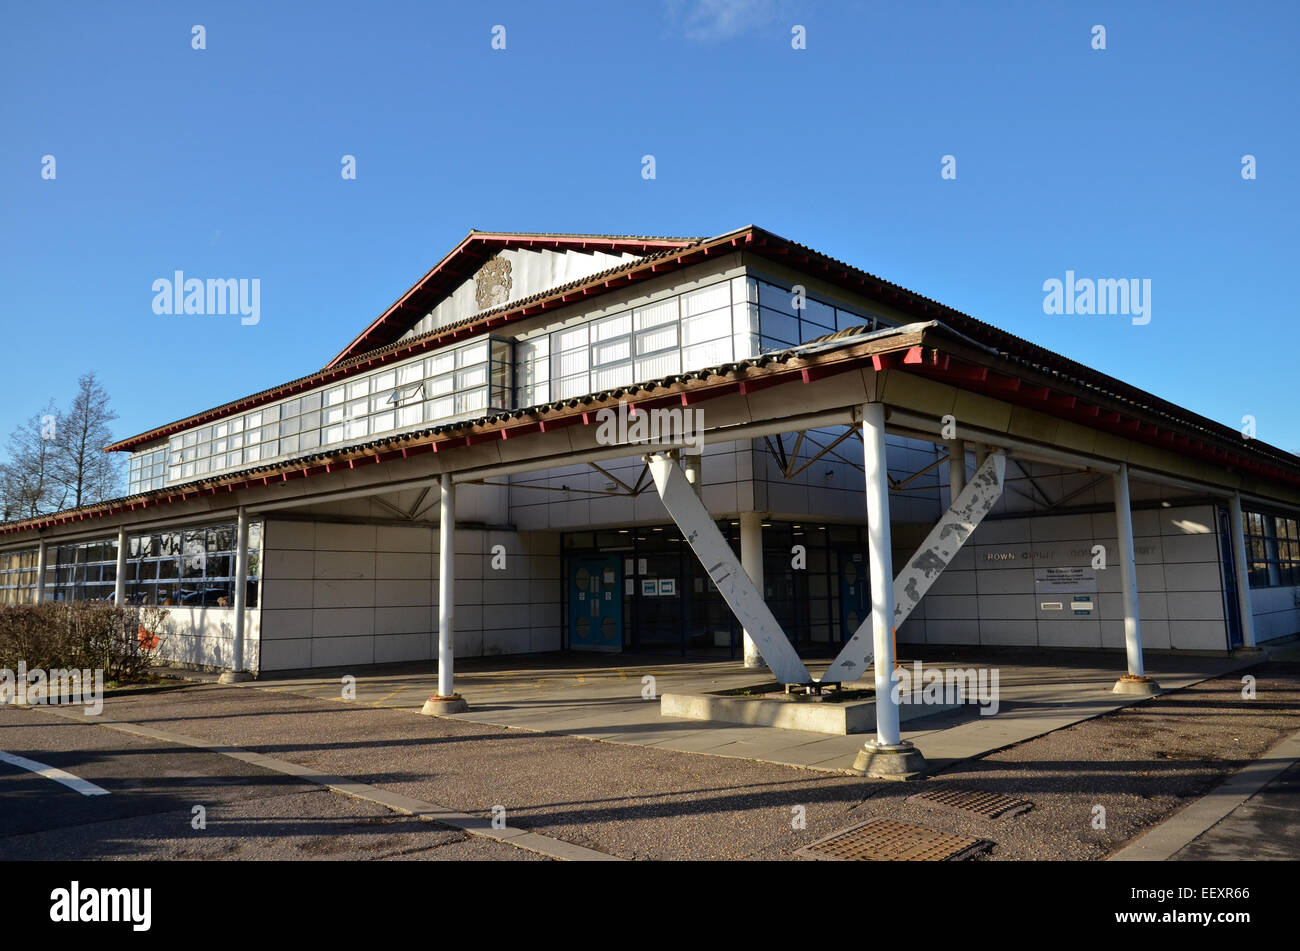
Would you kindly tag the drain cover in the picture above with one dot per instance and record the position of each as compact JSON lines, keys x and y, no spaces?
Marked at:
{"x":976,"y":802}
{"x":888,"y":840}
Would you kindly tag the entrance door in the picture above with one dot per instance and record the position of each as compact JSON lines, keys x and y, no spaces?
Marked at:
{"x":596,"y":603}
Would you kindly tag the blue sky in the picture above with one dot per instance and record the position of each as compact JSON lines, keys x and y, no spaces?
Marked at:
{"x":225,"y":162}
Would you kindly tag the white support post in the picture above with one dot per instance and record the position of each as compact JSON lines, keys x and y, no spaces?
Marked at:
{"x":1238,"y":529}
{"x":956,"y":468}
{"x":888,"y":757}
{"x":1135,"y":681}
{"x":446,"y":700}
{"x":751,"y":559}
{"x":237,"y":673}
{"x":119,"y":580}
{"x":40,"y":570}
{"x":693,"y":466}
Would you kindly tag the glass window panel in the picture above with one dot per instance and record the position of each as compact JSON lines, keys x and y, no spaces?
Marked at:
{"x":383,"y":381}
{"x":572,"y":338}
{"x":708,"y":327}
{"x":656,"y":315}
{"x":567,"y":387}
{"x":290,"y":426}
{"x":411,"y":373}
{"x":439,"y":363}
{"x":355,"y":429}
{"x":334,"y":434}
{"x":466,"y":356}
{"x":440,"y":408}
{"x":290,"y":408}
{"x":311,"y":402}
{"x":658,"y":339}
{"x":706,"y":299}
{"x":473,"y":401}
{"x":358,"y":388}
{"x":819,"y":313}
{"x":573,"y":362}
{"x":309,"y":440}
{"x":289,"y":444}
{"x":779,"y":326}
{"x":383,"y":422}
{"x":744,"y":346}
{"x":611,"y":352}
{"x":611,"y":376}
{"x":442,"y":384}
{"x":474,"y":376}
{"x":706,"y":354}
{"x":411,"y":415}
{"x":617,"y":326}
{"x":777,"y":298}
{"x":652,"y":368}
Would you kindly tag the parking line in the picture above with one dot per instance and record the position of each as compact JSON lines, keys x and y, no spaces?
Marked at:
{"x":50,"y":772}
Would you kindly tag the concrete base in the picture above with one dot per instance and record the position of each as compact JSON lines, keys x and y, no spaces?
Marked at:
{"x":755,"y":663}
{"x":1136,"y":686}
{"x":437,"y":706}
{"x":234,"y":677}
{"x":903,"y":762}
{"x":789,"y":713}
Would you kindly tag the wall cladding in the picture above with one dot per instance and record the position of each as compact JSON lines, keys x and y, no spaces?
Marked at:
{"x":343,"y":594}
{"x":987,"y":595}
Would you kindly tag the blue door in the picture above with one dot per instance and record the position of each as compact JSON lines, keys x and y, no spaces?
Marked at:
{"x":596,"y":603}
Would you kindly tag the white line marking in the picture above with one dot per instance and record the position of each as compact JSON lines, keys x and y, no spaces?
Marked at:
{"x":50,"y":772}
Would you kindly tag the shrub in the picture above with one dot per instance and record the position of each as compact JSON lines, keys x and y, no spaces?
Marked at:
{"x":122,"y":641}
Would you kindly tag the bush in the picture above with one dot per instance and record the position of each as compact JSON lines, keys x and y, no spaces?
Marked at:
{"x":122,"y":641}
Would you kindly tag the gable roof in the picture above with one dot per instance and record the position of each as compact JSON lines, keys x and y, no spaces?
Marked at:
{"x":464,"y":261}
{"x":1197,"y":435}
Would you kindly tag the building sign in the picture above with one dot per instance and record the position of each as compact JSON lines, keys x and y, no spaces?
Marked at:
{"x":1069,"y":580}
{"x":649,"y":587}
{"x":667,"y":587}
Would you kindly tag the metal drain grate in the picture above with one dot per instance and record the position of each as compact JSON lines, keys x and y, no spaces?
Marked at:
{"x":974,"y":802}
{"x":888,"y":840}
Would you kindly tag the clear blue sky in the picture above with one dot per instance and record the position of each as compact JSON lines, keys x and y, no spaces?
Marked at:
{"x":226,"y":163}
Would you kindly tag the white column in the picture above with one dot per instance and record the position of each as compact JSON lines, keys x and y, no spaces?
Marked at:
{"x":1128,"y":576}
{"x":446,"y":587}
{"x":956,"y":468}
{"x":693,"y":466}
{"x":881,"y":567}
{"x":241,"y":586}
{"x":119,"y":583}
{"x":40,"y":571}
{"x":1238,"y":529}
{"x":751,"y":559}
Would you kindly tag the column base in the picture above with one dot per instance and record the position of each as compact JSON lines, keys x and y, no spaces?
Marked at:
{"x":755,"y":663}
{"x":1136,"y":686}
{"x":234,"y":677}
{"x":901,"y":762}
{"x":437,"y":706}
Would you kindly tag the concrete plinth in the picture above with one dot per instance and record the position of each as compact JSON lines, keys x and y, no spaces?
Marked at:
{"x":437,"y":706}
{"x":901,"y":762}
{"x":1136,"y":686}
{"x":234,"y":677}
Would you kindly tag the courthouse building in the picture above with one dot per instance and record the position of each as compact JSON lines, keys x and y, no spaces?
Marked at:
{"x":450,"y":475}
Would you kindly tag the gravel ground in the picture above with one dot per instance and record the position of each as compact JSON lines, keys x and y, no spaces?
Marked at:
{"x":1140,"y":764}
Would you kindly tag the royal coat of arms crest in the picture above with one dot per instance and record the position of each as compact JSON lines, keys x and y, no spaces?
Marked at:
{"x":492,"y":283}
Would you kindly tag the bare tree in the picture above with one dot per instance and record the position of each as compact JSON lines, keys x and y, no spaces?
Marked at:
{"x":29,"y":480}
{"x":83,"y":468}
